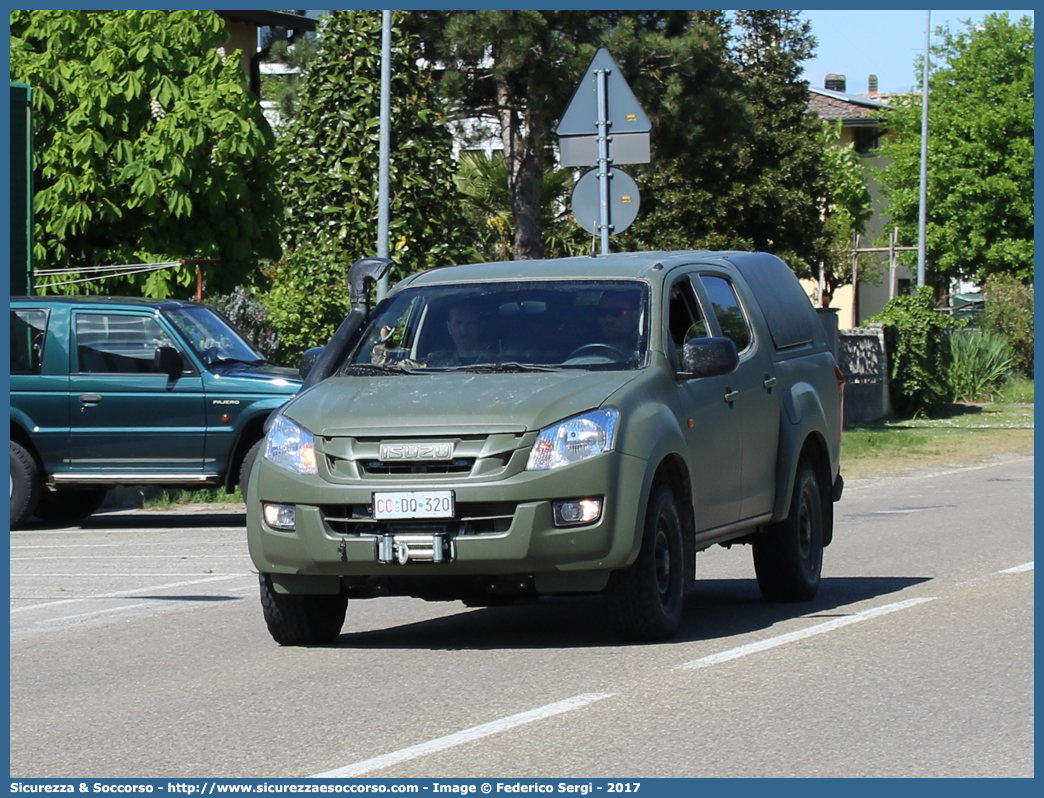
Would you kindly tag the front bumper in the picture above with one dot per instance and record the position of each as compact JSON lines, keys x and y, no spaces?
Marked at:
{"x":527,"y":542}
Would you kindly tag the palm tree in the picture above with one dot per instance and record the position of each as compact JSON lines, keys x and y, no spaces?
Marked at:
{"x":484,"y":182}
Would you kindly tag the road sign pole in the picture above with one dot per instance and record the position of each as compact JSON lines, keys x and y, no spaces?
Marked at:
{"x":603,"y":157}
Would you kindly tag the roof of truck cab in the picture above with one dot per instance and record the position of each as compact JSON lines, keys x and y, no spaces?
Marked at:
{"x":617,"y":265}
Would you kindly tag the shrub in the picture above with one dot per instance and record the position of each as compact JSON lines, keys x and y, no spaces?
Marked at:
{"x":308,"y":298}
{"x":1009,"y":313}
{"x":979,"y":362}
{"x":916,"y":351}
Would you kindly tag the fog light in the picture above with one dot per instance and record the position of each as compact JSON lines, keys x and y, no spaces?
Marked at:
{"x":280,"y":516}
{"x":577,"y":512}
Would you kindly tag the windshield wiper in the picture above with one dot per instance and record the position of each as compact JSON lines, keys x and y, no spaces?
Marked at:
{"x":502,"y":368}
{"x":387,"y":368}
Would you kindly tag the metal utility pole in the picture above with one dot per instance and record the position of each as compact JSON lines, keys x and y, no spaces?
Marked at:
{"x":922,"y":216}
{"x":384,"y":169}
{"x":602,"y":123}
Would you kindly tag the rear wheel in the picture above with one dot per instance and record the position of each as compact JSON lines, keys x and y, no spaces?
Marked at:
{"x":248,"y":464}
{"x":26,"y":484}
{"x":788,"y":556}
{"x":302,"y":619}
{"x":69,"y":506}
{"x":645,"y":599}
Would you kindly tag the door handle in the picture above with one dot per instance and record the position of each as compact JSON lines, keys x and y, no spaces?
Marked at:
{"x":769,"y":383}
{"x":90,"y":398}
{"x":732,"y":396}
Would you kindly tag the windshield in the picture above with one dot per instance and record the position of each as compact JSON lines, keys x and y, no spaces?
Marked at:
{"x":214,"y":340}
{"x":508,"y":326}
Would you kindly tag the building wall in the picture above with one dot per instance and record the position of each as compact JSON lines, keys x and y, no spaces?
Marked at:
{"x":242,"y":37}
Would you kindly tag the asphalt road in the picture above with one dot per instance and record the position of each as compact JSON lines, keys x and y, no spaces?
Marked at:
{"x":138,"y":650}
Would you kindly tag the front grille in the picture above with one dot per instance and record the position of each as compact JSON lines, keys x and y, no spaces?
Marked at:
{"x":472,"y":455}
{"x":471,"y":518}
{"x":459,"y":466}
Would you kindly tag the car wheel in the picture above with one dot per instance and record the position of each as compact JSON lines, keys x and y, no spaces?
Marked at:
{"x":645,"y":600}
{"x":302,"y":619}
{"x":69,"y":506}
{"x":26,"y":485}
{"x":248,"y":464}
{"x":788,"y":556}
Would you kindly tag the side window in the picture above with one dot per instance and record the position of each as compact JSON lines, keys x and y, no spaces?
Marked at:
{"x":28,"y":332}
{"x":728,"y":310}
{"x":118,"y":344}
{"x":684,"y":318}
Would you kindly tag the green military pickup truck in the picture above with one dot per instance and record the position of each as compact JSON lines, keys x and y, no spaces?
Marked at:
{"x":503,"y":431}
{"x":108,"y":391}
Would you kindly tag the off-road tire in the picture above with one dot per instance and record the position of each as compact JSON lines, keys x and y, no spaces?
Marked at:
{"x":788,"y":556}
{"x":248,"y":464}
{"x":302,"y":620}
{"x":26,"y":485}
{"x":69,"y":506}
{"x":645,"y":600}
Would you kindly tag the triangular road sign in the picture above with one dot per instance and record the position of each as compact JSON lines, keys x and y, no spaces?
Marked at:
{"x":624,"y":113}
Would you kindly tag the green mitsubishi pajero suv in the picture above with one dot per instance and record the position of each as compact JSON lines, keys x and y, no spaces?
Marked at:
{"x":110,"y":391}
{"x":502,"y":431}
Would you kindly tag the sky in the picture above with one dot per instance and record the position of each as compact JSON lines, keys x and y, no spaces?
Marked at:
{"x":858,"y":44}
{"x":885,"y":43}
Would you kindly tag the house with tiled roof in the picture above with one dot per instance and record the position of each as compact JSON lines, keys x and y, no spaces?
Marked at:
{"x":862,"y":120}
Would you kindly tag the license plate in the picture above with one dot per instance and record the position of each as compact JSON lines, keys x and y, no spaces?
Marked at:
{"x":413,"y":504}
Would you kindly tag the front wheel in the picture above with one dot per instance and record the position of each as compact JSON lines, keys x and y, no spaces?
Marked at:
{"x":302,"y":619}
{"x":788,"y":556}
{"x":645,"y":599}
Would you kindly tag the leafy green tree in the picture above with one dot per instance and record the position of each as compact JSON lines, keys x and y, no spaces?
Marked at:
{"x":846,"y":207}
{"x":147,"y":147}
{"x":776,"y":194}
{"x":330,"y":152}
{"x":740,"y":166}
{"x":980,"y":154}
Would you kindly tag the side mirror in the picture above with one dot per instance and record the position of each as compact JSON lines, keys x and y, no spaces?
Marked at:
{"x":167,"y":360}
{"x":709,"y":357}
{"x":308,"y":360}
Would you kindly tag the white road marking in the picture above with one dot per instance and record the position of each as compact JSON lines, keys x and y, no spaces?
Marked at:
{"x":139,"y":575}
{"x":123,"y":593}
{"x":111,"y":557}
{"x":1018,"y":569}
{"x":461,"y":737}
{"x":101,"y":612}
{"x":801,"y":634}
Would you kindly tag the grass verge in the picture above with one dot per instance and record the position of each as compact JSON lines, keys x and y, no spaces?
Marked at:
{"x":963,"y":434}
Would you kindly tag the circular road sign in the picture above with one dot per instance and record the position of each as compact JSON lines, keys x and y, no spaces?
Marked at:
{"x":623,"y":201}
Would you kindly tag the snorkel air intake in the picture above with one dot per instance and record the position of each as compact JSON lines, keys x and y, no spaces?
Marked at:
{"x":361,"y":277}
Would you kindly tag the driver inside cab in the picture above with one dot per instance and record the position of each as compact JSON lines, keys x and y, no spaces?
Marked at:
{"x":618,"y":315}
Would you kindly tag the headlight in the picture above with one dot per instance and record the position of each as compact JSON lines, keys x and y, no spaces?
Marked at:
{"x":290,"y":446}
{"x":574,"y":439}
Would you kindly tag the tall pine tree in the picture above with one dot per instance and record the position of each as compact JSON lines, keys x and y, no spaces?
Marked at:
{"x":779,"y":187}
